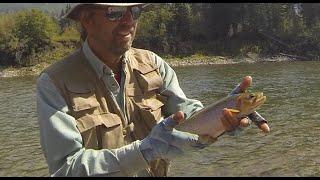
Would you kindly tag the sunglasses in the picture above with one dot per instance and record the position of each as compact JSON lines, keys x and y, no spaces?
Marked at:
{"x":116,"y":13}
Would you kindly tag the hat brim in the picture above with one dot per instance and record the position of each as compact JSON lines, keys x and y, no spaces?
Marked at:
{"x":74,"y":11}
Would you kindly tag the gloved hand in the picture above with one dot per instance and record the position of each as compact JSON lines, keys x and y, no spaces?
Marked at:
{"x":165,"y":142}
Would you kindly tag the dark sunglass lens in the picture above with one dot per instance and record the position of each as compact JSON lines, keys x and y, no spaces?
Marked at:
{"x":116,"y":15}
{"x":136,"y":12}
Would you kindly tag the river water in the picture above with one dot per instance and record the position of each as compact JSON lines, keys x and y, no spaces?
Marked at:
{"x":292,"y":148}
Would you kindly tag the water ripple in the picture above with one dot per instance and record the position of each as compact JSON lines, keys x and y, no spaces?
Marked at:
{"x":291,"y":149}
{"x":292,"y":110}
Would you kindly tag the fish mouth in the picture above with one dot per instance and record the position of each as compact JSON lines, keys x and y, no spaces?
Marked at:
{"x":251,"y":101}
{"x":259,"y":100}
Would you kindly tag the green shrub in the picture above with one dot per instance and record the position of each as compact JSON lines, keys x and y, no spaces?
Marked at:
{"x":34,"y":31}
{"x":7,"y":40}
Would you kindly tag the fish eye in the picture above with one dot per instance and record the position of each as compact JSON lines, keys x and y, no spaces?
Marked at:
{"x":251,"y":96}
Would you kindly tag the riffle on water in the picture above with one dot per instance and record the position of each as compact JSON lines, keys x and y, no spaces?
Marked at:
{"x":292,"y":109}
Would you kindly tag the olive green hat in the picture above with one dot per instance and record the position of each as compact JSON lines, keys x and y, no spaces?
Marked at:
{"x":74,"y":11}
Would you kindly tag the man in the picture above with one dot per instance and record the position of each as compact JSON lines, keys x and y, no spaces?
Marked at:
{"x":110,"y":109}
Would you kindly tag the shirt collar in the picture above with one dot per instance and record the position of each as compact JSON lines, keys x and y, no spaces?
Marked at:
{"x":99,"y":67}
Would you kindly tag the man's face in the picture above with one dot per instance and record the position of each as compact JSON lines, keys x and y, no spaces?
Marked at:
{"x":115,"y":36}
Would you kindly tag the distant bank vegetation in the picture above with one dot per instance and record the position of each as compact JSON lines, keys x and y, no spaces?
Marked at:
{"x":31,"y":37}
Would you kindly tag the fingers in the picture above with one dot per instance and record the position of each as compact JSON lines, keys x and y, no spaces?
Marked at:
{"x":246,"y":82}
{"x":178,"y":116}
{"x":243,"y":86}
{"x":230,"y":120}
{"x":172,"y":121}
{"x":244,"y":122}
{"x":264,"y":127}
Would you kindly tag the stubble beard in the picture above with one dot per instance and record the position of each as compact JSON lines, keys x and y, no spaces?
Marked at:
{"x":119,"y":49}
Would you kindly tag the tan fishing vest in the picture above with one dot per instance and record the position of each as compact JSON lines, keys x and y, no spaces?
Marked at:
{"x":99,"y":118}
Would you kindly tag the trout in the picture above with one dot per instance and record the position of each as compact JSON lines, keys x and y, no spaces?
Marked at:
{"x":207,"y":121}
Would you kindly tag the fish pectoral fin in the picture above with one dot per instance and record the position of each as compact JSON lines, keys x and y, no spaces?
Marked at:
{"x":206,"y":139}
{"x":234,"y":112}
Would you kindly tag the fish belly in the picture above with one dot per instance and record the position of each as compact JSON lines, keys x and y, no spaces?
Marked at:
{"x":208,"y":120}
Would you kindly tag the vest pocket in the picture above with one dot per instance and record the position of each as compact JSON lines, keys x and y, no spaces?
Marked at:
{"x":145,"y":110}
{"x":83,"y":100}
{"x":148,"y":79}
{"x":100,"y":131}
{"x":150,"y":111}
{"x":150,"y":103}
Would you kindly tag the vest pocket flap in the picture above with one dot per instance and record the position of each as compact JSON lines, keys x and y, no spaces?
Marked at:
{"x":144,"y":69}
{"x":83,"y":103}
{"x":149,"y":81}
{"x":110,"y":120}
{"x":131,"y":91}
{"x":90,"y":121}
{"x":79,"y":88}
{"x":153,"y":104}
{"x":87,"y":122}
{"x":82,"y":96}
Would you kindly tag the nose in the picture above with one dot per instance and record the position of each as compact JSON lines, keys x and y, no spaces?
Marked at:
{"x":127,"y":18}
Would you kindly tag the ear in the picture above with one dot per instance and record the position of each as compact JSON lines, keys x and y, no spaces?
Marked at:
{"x":84,"y":18}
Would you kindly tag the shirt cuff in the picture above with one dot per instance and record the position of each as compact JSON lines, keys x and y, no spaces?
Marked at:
{"x":131,"y":159}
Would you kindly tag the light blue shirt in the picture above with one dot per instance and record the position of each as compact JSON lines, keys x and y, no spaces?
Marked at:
{"x":62,"y":143}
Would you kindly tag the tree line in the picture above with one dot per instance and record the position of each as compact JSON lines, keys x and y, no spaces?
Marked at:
{"x":177,"y":29}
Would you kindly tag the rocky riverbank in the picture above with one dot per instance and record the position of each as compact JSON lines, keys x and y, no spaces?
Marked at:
{"x":212,"y":60}
{"x":174,"y":62}
{"x":23,"y":71}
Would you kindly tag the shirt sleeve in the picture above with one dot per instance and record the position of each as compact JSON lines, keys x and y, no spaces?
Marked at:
{"x":176,"y":99}
{"x":61,"y":141}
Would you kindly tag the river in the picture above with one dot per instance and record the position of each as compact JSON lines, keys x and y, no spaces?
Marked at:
{"x":292,"y":110}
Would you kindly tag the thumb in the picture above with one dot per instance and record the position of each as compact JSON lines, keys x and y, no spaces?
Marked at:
{"x":173,"y":120}
{"x":264,"y":127}
{"x":246,"y":82}
{"x":178,"y":116}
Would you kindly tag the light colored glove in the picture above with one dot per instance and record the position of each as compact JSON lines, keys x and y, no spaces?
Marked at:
{"x":165,"y":142}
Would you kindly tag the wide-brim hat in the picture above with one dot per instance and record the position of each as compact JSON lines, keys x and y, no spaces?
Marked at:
{"x":73,"y":13}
